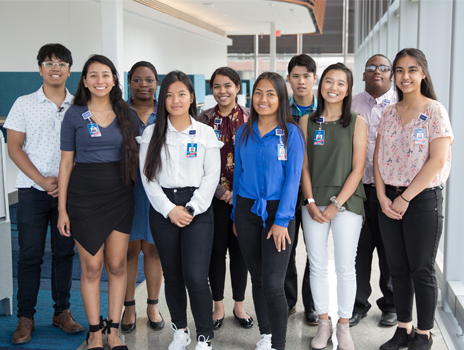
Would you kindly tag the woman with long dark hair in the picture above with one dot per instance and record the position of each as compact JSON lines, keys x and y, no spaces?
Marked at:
{"x":96,"y":200}
{"x":180,"y":163}
{"x":143,"y":82}
{"x":336,"y":144}
{"x":412,"y":161}
{"x":225,"y":118}
{"x":268,"y":159}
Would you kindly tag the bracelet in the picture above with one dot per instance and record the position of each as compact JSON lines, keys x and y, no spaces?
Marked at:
{"x":404,"y":198}
{"x":333,"y":199}
{"x":308,"y":201}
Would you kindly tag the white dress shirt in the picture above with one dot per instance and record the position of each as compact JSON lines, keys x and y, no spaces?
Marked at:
{"x":39,"y":118}
{"x":177,"y":170}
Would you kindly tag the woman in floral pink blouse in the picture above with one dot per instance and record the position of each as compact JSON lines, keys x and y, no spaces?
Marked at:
{"x":413,"y":159}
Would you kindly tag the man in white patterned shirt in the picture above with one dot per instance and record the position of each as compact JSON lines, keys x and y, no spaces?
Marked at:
{"x":370,"y":103}
{"x":34,"y":126}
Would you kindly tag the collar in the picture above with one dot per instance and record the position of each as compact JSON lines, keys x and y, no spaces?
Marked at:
{"x":256,"y":130}
{"x":368,"y":98}
{"x":293,"y":103}
{"x":193,"y":126}
{"x":41,"y":96}
{"x":152,"y":117}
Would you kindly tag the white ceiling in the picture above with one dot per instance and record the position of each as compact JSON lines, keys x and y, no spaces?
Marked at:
{"x":248,"y":16}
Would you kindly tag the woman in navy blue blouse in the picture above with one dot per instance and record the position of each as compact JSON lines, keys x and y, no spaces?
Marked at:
{"x":269,"y":152}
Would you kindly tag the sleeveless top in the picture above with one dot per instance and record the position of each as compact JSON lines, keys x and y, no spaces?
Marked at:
{"x":331,"y":164}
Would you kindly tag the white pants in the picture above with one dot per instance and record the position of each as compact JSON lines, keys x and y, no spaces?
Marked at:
{"x":346,"y":228}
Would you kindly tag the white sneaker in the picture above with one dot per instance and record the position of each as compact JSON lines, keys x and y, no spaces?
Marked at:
{"x":264,"y":343}
{"x":181,"y":339}
{"x":202,"y":343}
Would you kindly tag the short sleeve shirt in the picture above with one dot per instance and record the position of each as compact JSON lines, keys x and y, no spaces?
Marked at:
{"x":75,"y":136}
{"x":39,"y":118}
{"x":400,"y":156}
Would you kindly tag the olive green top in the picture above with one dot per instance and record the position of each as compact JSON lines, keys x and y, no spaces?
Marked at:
{"x":332,"y":163}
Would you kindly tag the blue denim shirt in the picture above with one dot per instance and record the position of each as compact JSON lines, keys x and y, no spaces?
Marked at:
{"x":259,"y":175}
{"x":151,"y":118}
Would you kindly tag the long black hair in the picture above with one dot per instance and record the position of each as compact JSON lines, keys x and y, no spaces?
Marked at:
{"x":345,"y":118}
{"x":284,"y":115}
{"x":426,"y":87}
{"x":129,"y":159}
{"x":158,"y":139}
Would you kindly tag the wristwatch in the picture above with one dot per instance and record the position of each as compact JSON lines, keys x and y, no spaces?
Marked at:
{"x":308,"y":201}
{"x":190,"y":210}
{"x":333,"y":199}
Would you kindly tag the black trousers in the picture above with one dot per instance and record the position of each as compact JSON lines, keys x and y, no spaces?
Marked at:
{"x":224,"y":239}
{"x":369,"y":240}
{"x":291,"y":277}
{"x":185,"y":255}
{"x":411,"y":245}
{"x":267,"y":268}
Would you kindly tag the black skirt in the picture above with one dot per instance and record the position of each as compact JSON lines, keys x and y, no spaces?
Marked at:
{"x":99,"y":202}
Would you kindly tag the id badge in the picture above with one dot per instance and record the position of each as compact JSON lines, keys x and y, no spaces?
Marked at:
{"x":218,"y":134}
{"x":319,"y":136}
{"x":94,"y":130}
{"x":281,"y":152}
{"x":57,"y":125}
{"x":192,"y":150}
{"x":217,"y":121}
{"x":419,"y":136}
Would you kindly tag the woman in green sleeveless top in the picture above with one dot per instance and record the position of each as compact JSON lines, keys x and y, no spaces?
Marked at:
{"x":336,"y":143}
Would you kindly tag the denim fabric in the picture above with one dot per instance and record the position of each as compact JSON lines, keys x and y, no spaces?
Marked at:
{"x":36,"y":209}
{"x":267,"y":267}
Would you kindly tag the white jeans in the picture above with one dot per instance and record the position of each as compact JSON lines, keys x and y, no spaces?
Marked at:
{"x":346,"y":228}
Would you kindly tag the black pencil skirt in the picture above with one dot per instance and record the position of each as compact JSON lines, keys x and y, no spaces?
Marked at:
{"x":98,"y":203}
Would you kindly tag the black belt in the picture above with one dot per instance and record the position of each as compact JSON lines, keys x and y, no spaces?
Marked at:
{"x":370,"y":185}
{"x":401,"y":189}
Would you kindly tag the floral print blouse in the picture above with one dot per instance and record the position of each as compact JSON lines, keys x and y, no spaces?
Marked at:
{"x":404,"y":150}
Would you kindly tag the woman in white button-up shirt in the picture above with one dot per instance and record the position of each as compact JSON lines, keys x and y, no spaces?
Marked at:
{"x":180,"y":163}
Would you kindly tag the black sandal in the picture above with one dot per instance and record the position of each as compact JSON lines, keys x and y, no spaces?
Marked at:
{"x":128,"y":327}
{"x":107,"y":329}
{"x":93,"y":329}
{"x":155,"y":325}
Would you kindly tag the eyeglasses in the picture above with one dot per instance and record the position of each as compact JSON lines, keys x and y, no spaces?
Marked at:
{"x":59,"y":65}
{"x":381,"y":68}
{"x":140,"y":81}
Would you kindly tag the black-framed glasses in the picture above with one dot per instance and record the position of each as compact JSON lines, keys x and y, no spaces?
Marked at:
{"x":139,"y":81}
{"x":381,"y":68}
{"x":59,"y":65}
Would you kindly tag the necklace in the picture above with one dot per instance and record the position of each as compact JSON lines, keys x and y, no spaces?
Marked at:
{"x":102,"y":123}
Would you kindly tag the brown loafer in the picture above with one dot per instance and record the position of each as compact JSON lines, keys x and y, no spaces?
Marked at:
{"x":23,"y":331}
{"x":66,"y":322}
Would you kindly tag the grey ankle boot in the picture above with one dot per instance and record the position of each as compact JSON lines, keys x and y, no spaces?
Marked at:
{"x":345,"y":342}
{"x":323,"y":335}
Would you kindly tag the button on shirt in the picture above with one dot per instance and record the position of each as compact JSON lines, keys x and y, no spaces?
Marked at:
{"x":371,"y":109}
{"x":259,"y":175}
{"x":35,"y":116}
{"x":178,"y":171}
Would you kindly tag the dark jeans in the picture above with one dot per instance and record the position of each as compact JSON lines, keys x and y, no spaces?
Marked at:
{"x":36,"y":209}
{"x":185,"y":255}
{"x":291,"y":277}
{"x":411,"y":245}
{"x":224,"y":238}
{"x":267,"y":268}
{"x":369,"y":240}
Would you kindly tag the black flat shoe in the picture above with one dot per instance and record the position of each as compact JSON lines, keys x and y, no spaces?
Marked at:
{"x":156,"y":326}
{"x":218,"y":323}
{"x":107,"y":328}
{"x":354,"y":320}
{"x":388,"y":319}
{"x":400,"y":339}
{"x":128,"y":327}
{"x":244,"y":322}
{"x":93,"y":329}
{"x":311,"y":317}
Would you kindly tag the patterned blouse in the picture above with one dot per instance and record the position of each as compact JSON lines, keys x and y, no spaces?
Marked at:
{"x":404,"y":150}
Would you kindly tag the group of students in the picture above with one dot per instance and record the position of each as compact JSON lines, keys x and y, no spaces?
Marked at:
{"x":229,"y":179}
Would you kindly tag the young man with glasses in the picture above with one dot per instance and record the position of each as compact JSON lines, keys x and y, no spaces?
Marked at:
{"x":34,"y":126}
{"x":370,"y":103}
